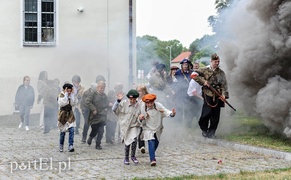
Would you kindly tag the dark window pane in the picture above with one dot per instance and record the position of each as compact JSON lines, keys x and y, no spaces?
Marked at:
{"x":30,"y":19}
{"x":30,"y":35}
{"x":47,"y":35}
{"x":47,"y":6}
{"x":31,"y":5}
{"x":47,"y":20}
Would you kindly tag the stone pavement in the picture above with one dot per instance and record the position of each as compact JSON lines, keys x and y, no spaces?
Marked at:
{"x":34,"y":155}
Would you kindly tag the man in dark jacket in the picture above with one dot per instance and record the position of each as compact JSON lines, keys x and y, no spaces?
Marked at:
{"x":98,"y":103}
{"x":24,"y":100}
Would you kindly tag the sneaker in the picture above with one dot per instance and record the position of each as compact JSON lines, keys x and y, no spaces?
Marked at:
{"x":204,"y":133}
{"x":98,"y":147}
{"x":71,"y":148}
{"x":26,"y":128}
{"x":142,"y":150}
{"x":83,"y":140}
{"x":20,"y":125}
{"x":135,"y":161}
{"x":153,"y":163}
{"x":126,"y":161}
{"x":61,"y":148}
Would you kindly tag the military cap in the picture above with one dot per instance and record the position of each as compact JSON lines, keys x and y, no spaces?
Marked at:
{"x":185,"y":61}
{"x":68,"y":86}
{"x":149,"y":97}
{"x":132,"y":94}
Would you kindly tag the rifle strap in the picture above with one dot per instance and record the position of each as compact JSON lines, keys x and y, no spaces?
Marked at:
{"x":213,"y":106}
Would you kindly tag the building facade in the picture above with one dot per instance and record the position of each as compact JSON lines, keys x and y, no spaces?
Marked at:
{"x":65,"y":38}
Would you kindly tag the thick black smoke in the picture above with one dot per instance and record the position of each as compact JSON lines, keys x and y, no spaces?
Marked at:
{"x":255,"y":47}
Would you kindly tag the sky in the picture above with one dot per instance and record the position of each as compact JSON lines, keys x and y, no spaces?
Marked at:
{"x":184,"y":20}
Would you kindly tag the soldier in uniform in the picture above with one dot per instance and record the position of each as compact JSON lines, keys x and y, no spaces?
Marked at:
{"x":159,"y":83}
{"x":215,"y":77}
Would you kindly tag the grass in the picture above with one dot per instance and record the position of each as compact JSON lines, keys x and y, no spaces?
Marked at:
{"x":252,"y":131}
{"x":280,"y":174}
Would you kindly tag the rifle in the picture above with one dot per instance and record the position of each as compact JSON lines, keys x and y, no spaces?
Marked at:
{"x":223,"y":99}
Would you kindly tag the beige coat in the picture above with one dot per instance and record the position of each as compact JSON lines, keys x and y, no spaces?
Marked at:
{"x":153,"y":122}
{"x":128,"y":119}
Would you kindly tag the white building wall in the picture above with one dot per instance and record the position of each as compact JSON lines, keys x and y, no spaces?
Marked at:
{"x":89,"y":43}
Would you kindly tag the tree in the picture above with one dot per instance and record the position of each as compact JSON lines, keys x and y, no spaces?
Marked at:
{"x":150,"y":49}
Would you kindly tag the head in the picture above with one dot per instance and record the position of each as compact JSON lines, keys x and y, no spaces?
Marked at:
{"x":26,"y":80}
{"x":195,"y":66}
{"x":43,"y":76}
{"x":185,"y":65}
{"x":149,"y":100}
{"x":93,"y":86}
{"x":101,"y":87}
{"x":173,"y":70}
{"x":215,"y":60}
{"x":76,"y":79}
{"x":161,"y":68}
{"x":142,"y":90}
{"x":118,"y":87}
{"x":56,"y":82}
{"x":100,"y":78}
{"x":132,"y":95}
{"x":67,"y":87}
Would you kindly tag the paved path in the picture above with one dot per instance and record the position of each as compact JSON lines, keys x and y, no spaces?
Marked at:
{"x":33,"y":155}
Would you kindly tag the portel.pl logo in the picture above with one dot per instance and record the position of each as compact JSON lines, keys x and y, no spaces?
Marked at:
{"x":41,"y":164}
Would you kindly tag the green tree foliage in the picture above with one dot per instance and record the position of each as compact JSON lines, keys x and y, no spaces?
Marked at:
{"x":150,"y":49}
{"x":215,"y":20}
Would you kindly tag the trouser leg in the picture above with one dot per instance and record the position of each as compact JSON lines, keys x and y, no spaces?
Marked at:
{"x":133,"y":147}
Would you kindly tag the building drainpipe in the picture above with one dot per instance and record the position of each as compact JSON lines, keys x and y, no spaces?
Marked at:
{"x":130,"y":75}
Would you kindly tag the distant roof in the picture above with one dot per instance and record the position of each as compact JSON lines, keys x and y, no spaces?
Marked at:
{"x":181,"y":56}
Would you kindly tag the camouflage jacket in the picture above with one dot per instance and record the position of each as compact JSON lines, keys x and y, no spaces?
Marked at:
{"x":215,"y":78}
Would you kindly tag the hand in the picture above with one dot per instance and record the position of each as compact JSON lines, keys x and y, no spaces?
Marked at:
{"x":222,"y":98}
{"x":173,"y":112}
{"x":206,"y":83}
{"x":120,"y":96}
{"x":95,"y":112}
{"x":141,"y":117}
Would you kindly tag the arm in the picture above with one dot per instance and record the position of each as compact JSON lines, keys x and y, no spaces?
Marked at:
{"x":116,"y":104}
{"x":63,"y":99}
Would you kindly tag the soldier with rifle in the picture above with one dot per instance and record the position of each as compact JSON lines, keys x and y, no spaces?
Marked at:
{"x":211,"y":78}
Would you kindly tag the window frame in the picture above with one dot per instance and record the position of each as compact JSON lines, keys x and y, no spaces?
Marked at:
{"x":39,"y":25}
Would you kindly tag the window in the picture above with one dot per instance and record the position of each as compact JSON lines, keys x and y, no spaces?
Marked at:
{"x":39,"y":22}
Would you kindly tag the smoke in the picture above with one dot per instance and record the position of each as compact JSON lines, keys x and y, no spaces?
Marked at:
{"x":255,"y":49}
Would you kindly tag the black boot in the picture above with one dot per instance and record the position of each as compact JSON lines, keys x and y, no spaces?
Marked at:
{"x":89,"y":141}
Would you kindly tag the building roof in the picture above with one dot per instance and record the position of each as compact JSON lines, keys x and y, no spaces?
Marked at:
{"x":181,"y":56}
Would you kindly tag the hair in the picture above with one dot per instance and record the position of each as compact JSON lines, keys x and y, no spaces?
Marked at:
{"x":42,"y":75}
{"x":214,"y":56}
{"x":143,"y":89}
{"x":25,"y":77}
